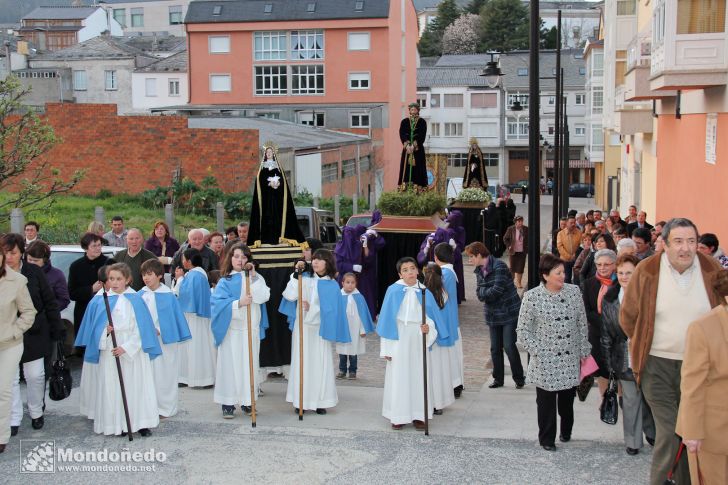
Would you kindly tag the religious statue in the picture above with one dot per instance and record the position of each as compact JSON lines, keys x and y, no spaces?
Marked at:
{"x":412,"y":133}
{"x":273,"y":215}
{"x":475,"y":176}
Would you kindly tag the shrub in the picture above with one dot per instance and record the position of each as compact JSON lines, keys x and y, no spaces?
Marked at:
{"x":411,"y":203}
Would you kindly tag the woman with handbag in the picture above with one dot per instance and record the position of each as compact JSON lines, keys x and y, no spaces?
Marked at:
{"x":552,"y":328}
{"x":636,"y":415}
{"x":702,"y":419}
{"x":17,"y":314}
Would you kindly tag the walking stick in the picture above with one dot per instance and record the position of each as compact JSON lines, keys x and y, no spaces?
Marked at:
{"x":250,"y":349}
{"x":424,"y":362}
{"x":300,"y":344}
{"x":102,"y":279}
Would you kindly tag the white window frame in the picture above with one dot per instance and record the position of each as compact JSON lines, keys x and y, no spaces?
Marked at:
{"x":580,"y":97}
{"x":360,"y":115}
{"x":265,"y":72}
{"x":358,"y":78}
{"x":580,"y":130}
{"x":597,"y":108}
{"x":111,"y":81}
{"x":493,"y":125}
{"x":453,"y":96}
{"x":521,"y":97}
{"x":449,"y":128}
{"x":422,"y":100}
{"x":80,"y":80}
{"x":434,"y":130}
{"x":263,"y":49}
{"x":220,"y":75}
{"x":491,"y":159}
{"x":302,"y":76}
{"x":177,"y":12}
{"x":315,"y":116}
{"x":218,"y":49}
{"x":150,"y":82}
{"x":138,"y":14}
{"x":356,"y":44}
{"x":485,"y":95}
{"x":308,"y":52}
{"x":173,"y":82}
{"x":123,"y":20}
{"x":520,"y":128}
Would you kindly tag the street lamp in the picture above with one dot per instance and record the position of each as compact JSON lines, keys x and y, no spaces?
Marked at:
{"x":492,"y":71}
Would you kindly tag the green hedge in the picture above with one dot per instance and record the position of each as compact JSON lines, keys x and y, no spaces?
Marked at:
{"x":411,"y":203}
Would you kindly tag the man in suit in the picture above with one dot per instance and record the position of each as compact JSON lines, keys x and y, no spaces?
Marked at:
{"x":641,"y":222}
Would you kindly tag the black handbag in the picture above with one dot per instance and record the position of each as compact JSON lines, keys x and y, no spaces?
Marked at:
{"x":582,"y":390}
{"x":609,"y":410}
{"x":60,"y":381}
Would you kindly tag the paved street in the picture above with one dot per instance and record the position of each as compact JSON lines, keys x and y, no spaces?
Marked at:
{"x":487,"y":436}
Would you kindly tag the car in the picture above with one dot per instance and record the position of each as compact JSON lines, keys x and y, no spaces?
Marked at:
{"x":581,"y":190}
{"x":62,"y":255}
{"x":359,"y":219}
{"x":516,"y":186}
{"x":319,"y":224}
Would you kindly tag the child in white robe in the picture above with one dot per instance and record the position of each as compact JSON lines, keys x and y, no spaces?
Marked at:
{"x":172,"y":329}
{"x":231,"y":302}
{"x":137,"y":343}
{"x":400,"y":328}
{"x":444,"y":257}
{"x":441,"y":375}
{"x":360,"y":323}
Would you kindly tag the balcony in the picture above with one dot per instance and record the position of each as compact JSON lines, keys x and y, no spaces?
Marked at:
{"x":637,"y":75}
{"x":688,"y":46}
{"x":631,"y":117}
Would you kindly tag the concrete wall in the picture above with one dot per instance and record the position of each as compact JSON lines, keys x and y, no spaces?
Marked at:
{"x":156,"y":16}
{"x":142,"y":102}
{"x":96,"y":23}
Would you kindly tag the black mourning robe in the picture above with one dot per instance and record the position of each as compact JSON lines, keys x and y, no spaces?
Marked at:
{"x":273,"y":215}
{"x":475,"y":175}
{"x":414,"y":131}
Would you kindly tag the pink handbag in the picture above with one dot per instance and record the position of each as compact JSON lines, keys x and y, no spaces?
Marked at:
{"x":588,"y":367}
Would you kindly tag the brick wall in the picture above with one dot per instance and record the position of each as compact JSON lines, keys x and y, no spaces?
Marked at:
{"x":130,"y":154}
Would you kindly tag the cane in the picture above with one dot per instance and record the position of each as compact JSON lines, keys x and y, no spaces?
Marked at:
{"x":102,"y":279}
{"x":300,"y":344}
{"x":250,"y":348}
{"x":424,"y":362}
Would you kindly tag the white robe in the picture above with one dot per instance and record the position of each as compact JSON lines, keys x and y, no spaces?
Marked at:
{"x":457,"y":367}
{"x":232,"y":383}
{"x":166,"y":366}
{"x":197,"y":356}
{"x":358,"y":343}
{"x":319,"y":381}
{"x":441,"y":375}
{"x":108,"y":408}
{"x":403,"y":381}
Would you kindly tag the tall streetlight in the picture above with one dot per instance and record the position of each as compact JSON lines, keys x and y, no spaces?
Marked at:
{"x":534,"y":199}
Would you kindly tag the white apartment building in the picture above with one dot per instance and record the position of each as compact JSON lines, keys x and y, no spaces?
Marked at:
{"x":163,"y":83}
{"x":149,"y":15}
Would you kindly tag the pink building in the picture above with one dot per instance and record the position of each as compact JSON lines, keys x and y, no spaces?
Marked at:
{"x":347,"y":65}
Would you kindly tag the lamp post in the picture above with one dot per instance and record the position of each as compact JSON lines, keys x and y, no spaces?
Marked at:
{"x":534,"y":201}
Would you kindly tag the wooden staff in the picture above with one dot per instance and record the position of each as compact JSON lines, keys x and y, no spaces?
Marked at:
{"x":102,"y":279}
{"x":300,"y":343}
{"x":250,"y":347}
{"x":424,"y":361}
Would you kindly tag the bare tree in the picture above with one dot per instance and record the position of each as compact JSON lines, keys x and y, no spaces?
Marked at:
{"x":461,"y":37}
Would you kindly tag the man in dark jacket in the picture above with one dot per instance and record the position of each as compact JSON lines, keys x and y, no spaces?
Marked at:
{"x":501,"y":305}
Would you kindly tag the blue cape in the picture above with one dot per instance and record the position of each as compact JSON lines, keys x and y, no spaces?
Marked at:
{"x":194,"y":294}
{"x":387,"y":323}
{"x":226,"y":292}
{"x":334,"y":326}
{"x":173,"y":326}
{"x":362,"y":308}
{"x":95,"y":321}
{"x":450,"y":312}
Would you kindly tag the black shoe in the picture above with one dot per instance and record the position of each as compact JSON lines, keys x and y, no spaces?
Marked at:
{"x":519,"y":385}
{"x":651,"y":441}
{"x":495,"y":384}
{"x":549,"y":447}
{"x":564,"y":439}
{"x":620,"y":403}
{"x":320,"y":411}
{"x":123,"y":433}
{"x":14,"y":430}
{"x":295,"y":411}
{"x":458,"y":391}
{"x":247,"y":410}
{"x":632,"y":451}
{"x":2,"y":447}
{"x":145,"y":432}
{"x":37,"y":423}
{"x":228,"y":412}
{"x":181,"y":384}
{"x":437,"y":412}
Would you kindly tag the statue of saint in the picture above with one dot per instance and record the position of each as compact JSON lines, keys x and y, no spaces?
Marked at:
{"x":413,"y":167}
{"x":475,"y":175}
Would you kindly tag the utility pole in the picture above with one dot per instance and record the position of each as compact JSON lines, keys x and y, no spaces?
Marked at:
{"x":534,"y":147}
{"x":557,"y":128}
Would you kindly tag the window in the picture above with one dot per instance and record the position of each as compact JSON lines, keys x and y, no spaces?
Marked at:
{"x":173,"y":87}
{"x":311,"y":7}
{"x":307,"y":79}
{"x":359,"y":80}
{"x":521,"y":98}
{"x":484,"y":130}
{"x":700,"y":16}
{"x":271,"y":80}
{"x":359,"y":120}
{"x":453,"y":101}
{"x":422,"y":100}
{"x":307,"y":44}
{"x":110,"y":80}
{"x":175,"y":15}
{"x":483,"y":100}
{"x":517,"y":128}
{"x":453,"y":129}
{"x":551,"y":129}
{"x":311,"y":118}
{"x":580,"y":99}
{"x":582,"y":71}
{"x":522,"y":71}
{"x":217,"y":10}
{"x":79,"y":80}
{"x":330,"y":172}
{"x":273,"y":115}
{"x":359,"y":6}
{"x":268,"y":8}
{"x":627,"y":7}
{"x":434,"y":129}
{"x":364,"y":164}
{"x":219,"y":44}
{"x":220,"y":83}
{"x":348,"y":168}
{"x":359,"y":41}
{"x":552,"y":100}
{"x":120,"y":16}
{"x":270,"y":46}
{"x":150,"y":87}
{"x":434,"y":100}
{"x":597,"y":137}
{"x":457,"y":159}
{"x":518,"y":154}
{"x":137,"y":17}
{"x":579,"y":130}
{"x":490,"y":159}
{"x":597,"y":100}
{"x":598,"y":64}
